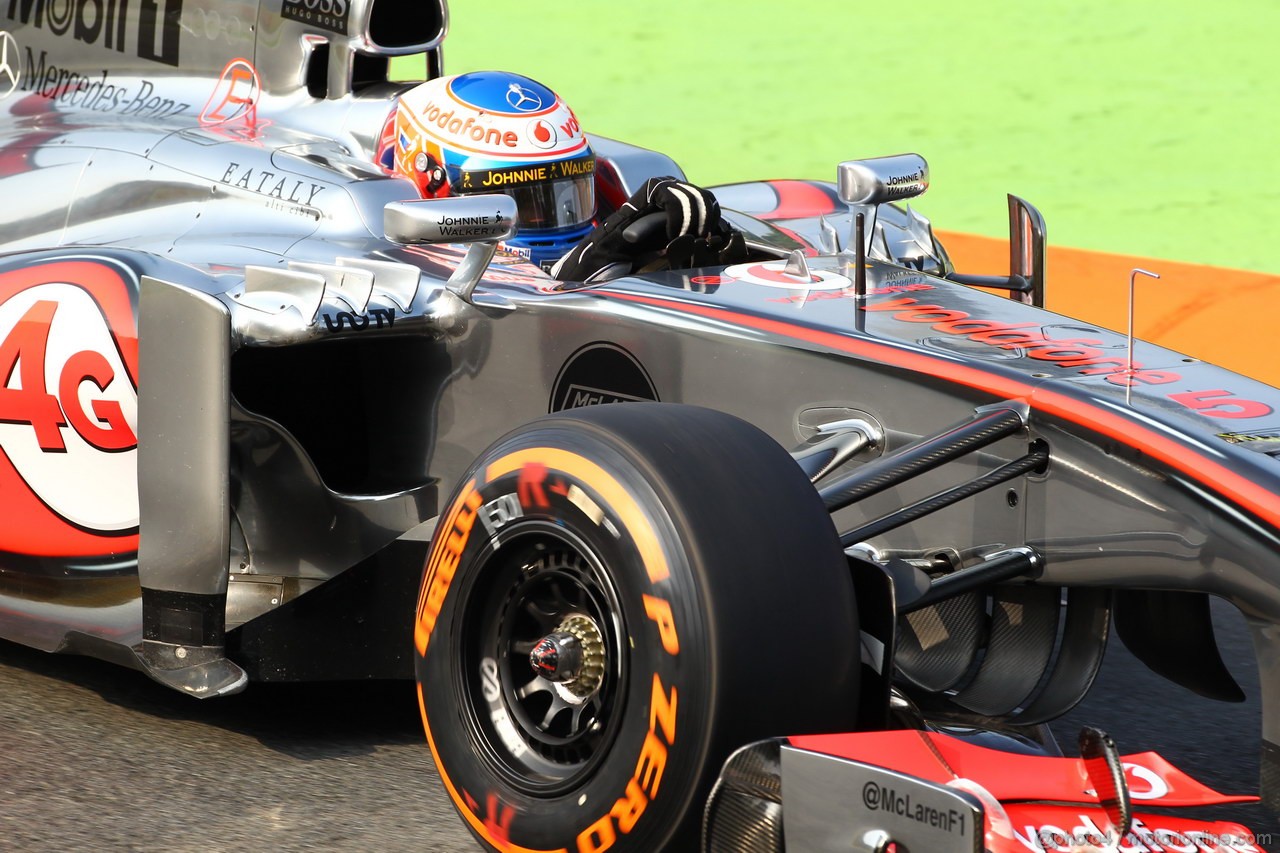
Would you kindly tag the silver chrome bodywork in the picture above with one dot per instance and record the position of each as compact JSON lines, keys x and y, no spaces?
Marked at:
{"x":308,"y":387}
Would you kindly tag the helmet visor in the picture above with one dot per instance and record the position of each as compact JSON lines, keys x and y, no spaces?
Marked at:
{"x":556,"y":204}
{"x":560,"y":194}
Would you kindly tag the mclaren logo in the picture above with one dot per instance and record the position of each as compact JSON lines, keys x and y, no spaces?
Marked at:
{"x":600,"y":373}
{"x":10,"y":68}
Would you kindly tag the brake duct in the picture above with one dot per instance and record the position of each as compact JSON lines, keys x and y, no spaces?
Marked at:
{"x":1030,"y":658}
{"x":972,"y":644}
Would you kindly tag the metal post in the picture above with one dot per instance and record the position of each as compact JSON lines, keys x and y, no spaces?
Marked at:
{"x":860,"y":257}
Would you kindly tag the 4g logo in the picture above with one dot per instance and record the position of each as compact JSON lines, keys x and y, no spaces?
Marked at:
{"x":68,"y":410}
{"x":24,"y":353}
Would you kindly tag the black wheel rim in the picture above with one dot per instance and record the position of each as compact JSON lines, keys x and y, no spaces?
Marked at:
{"x":542,"y":737}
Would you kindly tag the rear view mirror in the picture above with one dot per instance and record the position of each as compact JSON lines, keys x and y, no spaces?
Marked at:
{"x":461,"y":219}
{"x":867,"y":184}
{"x":1026,"y":278}
{"x":481,"y":220}
{"x":882,"y":179}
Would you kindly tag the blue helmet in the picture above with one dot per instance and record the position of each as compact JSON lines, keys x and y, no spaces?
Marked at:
{"x":492,"y":131}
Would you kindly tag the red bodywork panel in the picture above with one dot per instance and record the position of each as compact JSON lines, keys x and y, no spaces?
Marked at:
{"x":1049,"y":801}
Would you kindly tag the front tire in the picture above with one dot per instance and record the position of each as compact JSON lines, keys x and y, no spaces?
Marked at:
{"x":685,"y":592}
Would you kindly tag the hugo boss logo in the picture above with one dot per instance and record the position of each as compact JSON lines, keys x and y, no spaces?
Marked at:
{"x":327,"y":14}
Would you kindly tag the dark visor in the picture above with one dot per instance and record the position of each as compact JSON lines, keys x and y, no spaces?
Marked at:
{"x":555,"y":195}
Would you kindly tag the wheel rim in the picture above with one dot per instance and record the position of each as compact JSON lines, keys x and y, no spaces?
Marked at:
{"x":544,"y":735}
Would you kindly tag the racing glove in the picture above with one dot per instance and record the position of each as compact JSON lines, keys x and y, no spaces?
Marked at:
{"x":688,"y":233}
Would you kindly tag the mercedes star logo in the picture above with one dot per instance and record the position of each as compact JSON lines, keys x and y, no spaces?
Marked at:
{"x":522,"y":99}
{"x":10,"y":70}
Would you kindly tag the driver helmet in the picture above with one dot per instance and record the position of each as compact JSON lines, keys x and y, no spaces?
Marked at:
{"x":497,"y":132}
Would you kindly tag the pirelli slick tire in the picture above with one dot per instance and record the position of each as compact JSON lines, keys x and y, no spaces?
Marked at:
{"x":616,"y":598}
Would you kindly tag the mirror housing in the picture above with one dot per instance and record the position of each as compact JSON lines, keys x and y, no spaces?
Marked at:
{"x":460,"y":219}
{"x":864,"y":185}
{"x":481,"y":220}
{"x":1026,"y":278}
{"x":882,"y":179}
{"x":1027,"y":250}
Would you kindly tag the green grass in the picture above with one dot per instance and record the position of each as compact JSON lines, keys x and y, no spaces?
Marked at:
{"x":1137,"y":127}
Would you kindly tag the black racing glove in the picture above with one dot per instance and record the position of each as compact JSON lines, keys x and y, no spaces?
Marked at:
{"x":688,"y":233}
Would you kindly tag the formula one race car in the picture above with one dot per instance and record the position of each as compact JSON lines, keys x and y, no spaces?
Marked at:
{"x":856,"y":532}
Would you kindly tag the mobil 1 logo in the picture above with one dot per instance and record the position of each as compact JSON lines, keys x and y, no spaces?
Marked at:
{"x":327,"y":14}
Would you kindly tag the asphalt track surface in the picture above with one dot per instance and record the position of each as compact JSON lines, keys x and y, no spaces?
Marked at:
{"x":93,"y":757}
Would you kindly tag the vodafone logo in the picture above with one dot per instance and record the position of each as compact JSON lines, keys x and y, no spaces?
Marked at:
{"x":542,"y":134}
{"x":1149,"y":784}
{"x":509,"y":124}
{"x":68,"y":410}
{"x":772,"y":274}
{"x":474,"y":128}
{"x":1143,"y":783}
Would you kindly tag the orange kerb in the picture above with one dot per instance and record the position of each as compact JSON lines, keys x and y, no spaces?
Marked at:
{"x":1211,"y":313}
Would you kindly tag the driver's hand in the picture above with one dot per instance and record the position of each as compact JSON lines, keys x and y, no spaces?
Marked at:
{"x":694,"y":234}
{"x":691,"y":211}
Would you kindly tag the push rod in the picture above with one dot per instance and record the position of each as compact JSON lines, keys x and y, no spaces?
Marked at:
{"x":907,"y":514}
{"x":928,"y":453}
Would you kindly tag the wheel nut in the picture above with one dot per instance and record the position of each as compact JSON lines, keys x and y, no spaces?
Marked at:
{"x":557,"y":657}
